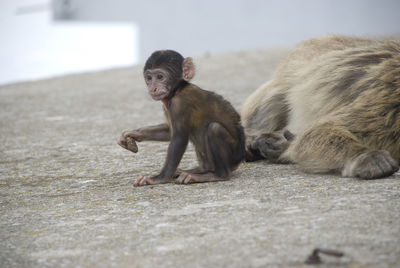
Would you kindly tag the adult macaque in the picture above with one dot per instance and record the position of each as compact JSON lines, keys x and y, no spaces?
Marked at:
{"x":194,"y":114}
{"x":340,"y":96}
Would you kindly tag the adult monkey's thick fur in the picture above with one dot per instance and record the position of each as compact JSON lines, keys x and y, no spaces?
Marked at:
{"x":340,"y":96}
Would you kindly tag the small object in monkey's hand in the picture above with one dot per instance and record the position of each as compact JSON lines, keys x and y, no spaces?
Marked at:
{"x":131,"y":145}
{"x":314,"y":258}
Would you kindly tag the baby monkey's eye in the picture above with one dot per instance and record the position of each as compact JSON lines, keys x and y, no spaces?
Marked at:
{"x":160,"y":76}
{"x":148,"y":78}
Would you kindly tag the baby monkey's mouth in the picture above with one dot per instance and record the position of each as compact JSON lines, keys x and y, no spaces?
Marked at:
{"x":158,"y":96}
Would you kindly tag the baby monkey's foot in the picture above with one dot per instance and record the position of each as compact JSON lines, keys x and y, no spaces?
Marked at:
{"x":186,"y":178}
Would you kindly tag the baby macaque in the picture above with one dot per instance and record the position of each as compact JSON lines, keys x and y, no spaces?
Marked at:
{"x":193,"y":114}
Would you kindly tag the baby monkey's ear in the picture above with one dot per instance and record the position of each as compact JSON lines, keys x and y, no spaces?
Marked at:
{"x":188,"y":69}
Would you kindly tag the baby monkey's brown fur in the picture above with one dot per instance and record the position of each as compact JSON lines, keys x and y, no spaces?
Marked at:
{"x":203,"y":117}
{"x":340,"y":96}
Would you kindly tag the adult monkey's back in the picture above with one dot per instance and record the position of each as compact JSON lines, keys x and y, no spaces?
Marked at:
{"x":340,"y":97}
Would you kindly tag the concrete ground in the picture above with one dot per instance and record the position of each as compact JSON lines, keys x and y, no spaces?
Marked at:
{"x":67,"y":198}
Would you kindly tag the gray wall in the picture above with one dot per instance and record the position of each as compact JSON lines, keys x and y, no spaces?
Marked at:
{"x":196,"y":27}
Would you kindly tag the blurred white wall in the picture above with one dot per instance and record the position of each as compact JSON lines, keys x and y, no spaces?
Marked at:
{"x":195,"y":27}
{"x":33,"y":46}
{"x":41,"y":38}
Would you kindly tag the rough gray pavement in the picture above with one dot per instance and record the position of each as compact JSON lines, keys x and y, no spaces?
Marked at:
{"x":67,"y":198}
